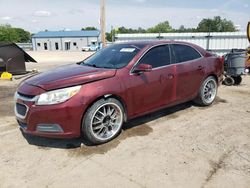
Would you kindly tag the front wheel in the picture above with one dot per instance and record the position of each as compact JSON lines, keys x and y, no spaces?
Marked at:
{"x":103,"y":121}
{"x":207,"y":92}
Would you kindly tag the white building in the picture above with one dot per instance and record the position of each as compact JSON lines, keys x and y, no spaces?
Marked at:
{"x":219,"y":43}
{"x":64,"y":40}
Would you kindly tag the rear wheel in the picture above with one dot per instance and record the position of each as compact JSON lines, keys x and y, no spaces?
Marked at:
{"x":237,"y":80}
{"x":228,"y":81}
{"x":207,"y":92}
{"x":103,"y":121}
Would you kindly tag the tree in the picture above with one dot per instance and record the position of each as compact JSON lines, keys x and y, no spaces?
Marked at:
{"x":89,"y":28}
{"x":126,"y":30}
{"x":216,"y":25}
{"x":182,"y":29}
{"x":23,"y":36}
{"x":9,"y":34}
{"x":109,"y":36}
{"x":213,"y":25}
{"x":141,"y":30}
{"x":162,"y":27}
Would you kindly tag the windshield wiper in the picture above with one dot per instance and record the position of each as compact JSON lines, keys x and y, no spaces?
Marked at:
{"x":95,"y":66}
{"x":89,"y":65}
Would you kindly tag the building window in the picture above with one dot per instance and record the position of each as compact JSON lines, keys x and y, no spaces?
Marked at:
{"x":56,"y":46}
{"x":74,"y":43}
{"x":39,"y":44}
{"x":67,"y":45}
{"x":45,"y":46}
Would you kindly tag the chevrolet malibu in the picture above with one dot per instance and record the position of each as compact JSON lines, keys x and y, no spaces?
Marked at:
{"x":93,"y":98}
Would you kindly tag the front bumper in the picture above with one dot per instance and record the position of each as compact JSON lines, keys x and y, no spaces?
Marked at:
{"x":59,"y":121}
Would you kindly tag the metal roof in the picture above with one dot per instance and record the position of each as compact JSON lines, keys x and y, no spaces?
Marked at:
{"x":63,"y":34}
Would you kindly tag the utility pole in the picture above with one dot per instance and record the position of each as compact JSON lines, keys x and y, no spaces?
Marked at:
{"x":103,"y":22}
{"x":112,"y":34}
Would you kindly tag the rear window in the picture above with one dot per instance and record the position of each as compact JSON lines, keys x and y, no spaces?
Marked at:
{"x":185,"y":53}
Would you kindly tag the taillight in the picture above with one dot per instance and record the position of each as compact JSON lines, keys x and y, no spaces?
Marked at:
{"x":221,"y":61}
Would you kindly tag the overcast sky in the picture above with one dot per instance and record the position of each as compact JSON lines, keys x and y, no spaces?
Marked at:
{"x":37,"y":15}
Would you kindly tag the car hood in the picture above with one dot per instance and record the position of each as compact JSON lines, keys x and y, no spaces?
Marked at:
{"x":69,"y":75}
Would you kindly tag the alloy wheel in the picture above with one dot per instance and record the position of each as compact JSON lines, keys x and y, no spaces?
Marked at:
{"x":106,"y":121}
{"x":209,"y":91}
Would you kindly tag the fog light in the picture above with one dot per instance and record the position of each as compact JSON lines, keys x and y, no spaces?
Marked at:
{"x":53,"y":128}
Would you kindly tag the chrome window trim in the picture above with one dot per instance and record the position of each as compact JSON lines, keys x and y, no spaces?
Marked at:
{"x":163,"y":44}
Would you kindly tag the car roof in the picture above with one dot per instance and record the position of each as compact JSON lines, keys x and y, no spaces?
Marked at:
{"x":151,"y":43}
{"x":156,"y":42}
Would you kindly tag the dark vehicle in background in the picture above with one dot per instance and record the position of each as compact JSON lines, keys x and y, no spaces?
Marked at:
{"x":123,"y":81}
{"x":235,"y":65}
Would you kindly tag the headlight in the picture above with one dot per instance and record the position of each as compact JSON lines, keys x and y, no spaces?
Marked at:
{"x":57,"y":96}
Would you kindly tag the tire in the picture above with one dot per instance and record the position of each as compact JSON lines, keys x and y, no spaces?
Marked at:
{"x":237,"y":80}
{"x":103,"y":121}
{"x":228,"y":81}
{"x":207,"y":92}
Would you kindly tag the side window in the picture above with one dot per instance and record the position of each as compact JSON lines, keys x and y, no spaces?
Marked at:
{"x":157,"y":57}
{"x":184,"y":53}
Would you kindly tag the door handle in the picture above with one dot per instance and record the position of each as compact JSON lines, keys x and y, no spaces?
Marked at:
{"x":200,"y":68}
{"x":170,"y":76}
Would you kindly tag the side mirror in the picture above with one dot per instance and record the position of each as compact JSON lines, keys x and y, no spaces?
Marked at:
{"x":143,"y":68}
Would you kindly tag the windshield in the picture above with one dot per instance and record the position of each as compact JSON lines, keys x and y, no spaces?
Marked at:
{"x":113,"y":57}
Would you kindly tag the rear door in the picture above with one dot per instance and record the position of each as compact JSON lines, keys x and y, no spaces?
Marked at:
{"x":189,"y":71}
{"x":150,"y":90}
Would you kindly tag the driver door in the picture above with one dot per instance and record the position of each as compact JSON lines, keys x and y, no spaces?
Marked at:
{"x":151,"y":90}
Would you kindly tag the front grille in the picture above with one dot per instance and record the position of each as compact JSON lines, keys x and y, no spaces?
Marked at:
{"x":26,"y":96}
{"x":21,"y":109}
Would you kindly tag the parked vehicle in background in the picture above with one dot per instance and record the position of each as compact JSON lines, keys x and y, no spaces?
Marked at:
{"x":235,"y":66}
{"x":94,"y":46}
{"x":90,"y":48}
{"x":86,"y":48}
{"x":118,"y":83}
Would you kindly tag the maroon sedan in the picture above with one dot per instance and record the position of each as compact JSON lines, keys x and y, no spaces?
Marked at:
{"x":96,"y":96}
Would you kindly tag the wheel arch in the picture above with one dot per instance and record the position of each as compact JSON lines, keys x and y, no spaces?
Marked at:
{"x":213,"y":75}
{"x":117,"y":97}
{"x":106,"y":96}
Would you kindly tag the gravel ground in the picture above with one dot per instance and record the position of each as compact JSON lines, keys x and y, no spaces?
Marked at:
{"x":183,"y":146}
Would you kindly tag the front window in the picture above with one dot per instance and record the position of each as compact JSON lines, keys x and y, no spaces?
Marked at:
{"x":157,"y":57}
{"x":113,"y":57}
